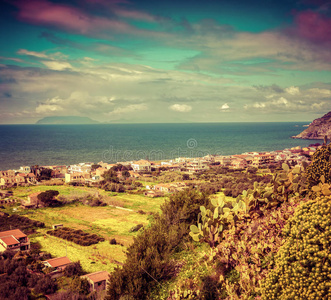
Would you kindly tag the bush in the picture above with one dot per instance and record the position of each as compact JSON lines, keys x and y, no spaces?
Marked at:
{"x":303,"y":263}
{"x":74,"y":269}
{"x":136,"y":228}
{"x":320,"y":165}
{"x":149,"y":257}
{"x":113,"y":242}
{"x":77,"y":236}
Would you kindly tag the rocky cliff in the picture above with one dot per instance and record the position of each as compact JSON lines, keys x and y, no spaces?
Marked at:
{"x":317,"y":130}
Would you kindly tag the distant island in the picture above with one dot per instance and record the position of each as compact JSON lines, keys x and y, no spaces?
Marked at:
{"x":66,"y":120}
{"x":317,"y":130}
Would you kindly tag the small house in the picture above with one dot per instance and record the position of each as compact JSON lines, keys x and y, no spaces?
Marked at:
{"x":98,"y":280}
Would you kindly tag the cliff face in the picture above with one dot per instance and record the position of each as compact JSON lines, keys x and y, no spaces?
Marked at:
{"x":318,"y":129}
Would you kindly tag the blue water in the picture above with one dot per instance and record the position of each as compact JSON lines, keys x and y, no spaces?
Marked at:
{"x":69,"y":144}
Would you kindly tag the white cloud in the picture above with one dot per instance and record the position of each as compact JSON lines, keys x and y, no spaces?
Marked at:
{"x":280,"y":102}
{"x":47,"y":108}
{"x":225,"y":106}
{"x":57,"y":65}
{"x":128,"y":109}
{"x":181,"y":107}
{"x":292,"y":90}
{"x":32,"y":53}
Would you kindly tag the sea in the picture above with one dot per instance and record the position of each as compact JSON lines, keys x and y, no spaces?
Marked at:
{"x":27,"y":145}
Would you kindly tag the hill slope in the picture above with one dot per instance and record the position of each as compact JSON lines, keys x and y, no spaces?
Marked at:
{"x":66,"y":120}
{"x":318,"y":129}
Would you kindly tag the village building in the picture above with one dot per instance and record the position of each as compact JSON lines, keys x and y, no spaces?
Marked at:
{"x":141,"y":166}
{"x":97,"y":280}
{"x":32,"y":201}
{"x":80,"y":168}
{"x":59,"y":263}
{"x":263,"y":159}
{"x":8,"y":173}
{"x":224,"y":160}
{"x":239,"y":163}
{"x":25,"y":169}
{"x":197,"y":166}
{"x":77,"y":177}
{"x":14,"y":240}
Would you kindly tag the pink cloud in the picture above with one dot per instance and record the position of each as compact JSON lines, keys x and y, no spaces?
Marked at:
{"x":67,"y":17}
{"x":132,"y":14}
{"x":313,"y":26}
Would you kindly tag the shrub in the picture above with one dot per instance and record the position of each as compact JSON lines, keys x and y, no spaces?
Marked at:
{"x":303,"y":263}
{"x":149,"y":257}
{"x":136,"y":228}
{"x":320,"y":165}
{"x":74,"y":269}
{"x":113,"y":242}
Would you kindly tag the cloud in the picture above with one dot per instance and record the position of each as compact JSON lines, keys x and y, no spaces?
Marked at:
{"x":49,"y":106}
{"x":313,"y":27}
{"x":57,"y":65}
{"x":294,"y":100}
{"x":32,"y":53}
{"x":181,"y":107}
{"x":292,"y":90}
{"x":128,"y":109}
{"x":224,"y":107}
{"x":66,"y":17}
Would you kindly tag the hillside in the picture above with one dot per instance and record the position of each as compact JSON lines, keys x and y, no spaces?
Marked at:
{"x":66,"y":120}
{"x":318,"y":129}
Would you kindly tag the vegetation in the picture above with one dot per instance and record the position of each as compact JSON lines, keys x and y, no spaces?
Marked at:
{"x":233,"y":234}
{"x":77,"y":236}
{"x":47,"y":198}
{"x":320,"y":165}
{"x":149,"y":257}
{"x":303,"y":263}
{"x":14,"y":221}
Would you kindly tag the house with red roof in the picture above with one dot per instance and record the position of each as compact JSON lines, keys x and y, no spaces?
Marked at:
{"x":98,"y":280}
{"x":58,"y":263}
{"x":14,"y":240}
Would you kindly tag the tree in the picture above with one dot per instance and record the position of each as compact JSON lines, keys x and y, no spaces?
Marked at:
{"x":186,"y":176}
{"x":45,"y":174}
{"x":110,"y":176}
{"x":47,"y":198}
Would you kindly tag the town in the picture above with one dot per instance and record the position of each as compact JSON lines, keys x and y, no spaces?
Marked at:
{"x":142,"y":173}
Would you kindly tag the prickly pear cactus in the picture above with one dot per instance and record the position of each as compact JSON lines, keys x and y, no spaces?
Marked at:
{"x":213,"y":222}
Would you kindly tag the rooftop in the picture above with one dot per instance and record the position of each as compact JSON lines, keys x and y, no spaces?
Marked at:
{"x":15,"y":232}
{"x":9,"y":240}
{"x":59,"y":261}
{"x":98,"y":276}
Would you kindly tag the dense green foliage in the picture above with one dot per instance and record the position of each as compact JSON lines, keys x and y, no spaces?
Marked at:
{"x":303,"y":263}
{"x":149,"y":257}
{"x":47,"y":198}
{"x":8,"y":222}
{"x":77,"y":236}
{"x":320,"y":165}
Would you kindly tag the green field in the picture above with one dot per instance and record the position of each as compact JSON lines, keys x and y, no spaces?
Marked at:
{"x":107,"y":221}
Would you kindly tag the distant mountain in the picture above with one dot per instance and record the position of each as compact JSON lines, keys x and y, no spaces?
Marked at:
{"x":66,"y":120}
{"x":317,"y":130}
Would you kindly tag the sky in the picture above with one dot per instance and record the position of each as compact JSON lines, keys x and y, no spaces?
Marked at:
{"x":147,"y":61}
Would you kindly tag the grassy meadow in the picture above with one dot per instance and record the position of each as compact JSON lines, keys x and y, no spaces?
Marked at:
{"x":107,"y":221}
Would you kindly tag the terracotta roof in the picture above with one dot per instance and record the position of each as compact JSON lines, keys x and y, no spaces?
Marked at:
{"x":15,"y":232}
{"x":141,"y":162}
{"x":59,"y":261}
{"x":9,"y":240}
{"x":98,"y":276}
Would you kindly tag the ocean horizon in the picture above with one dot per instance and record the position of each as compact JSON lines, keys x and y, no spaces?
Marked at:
{"x":70,"y":144}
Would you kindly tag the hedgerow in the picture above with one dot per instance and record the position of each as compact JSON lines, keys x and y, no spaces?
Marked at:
{"x":77,"y":236}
